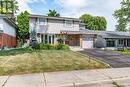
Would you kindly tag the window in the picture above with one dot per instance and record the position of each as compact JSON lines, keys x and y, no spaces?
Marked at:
{"x":50,"y":39}
{"x":53,"y":39}
{"x":42,"y":38}
{"x":121,"y":41}
{"x":82,"y":26}
{"x":128,"y":42}
{"x":32,"y":23}
{"x":110,"y":43}
{"x":68,"y":23}
{"x":46,"y":39}
{"x":41,"y":21}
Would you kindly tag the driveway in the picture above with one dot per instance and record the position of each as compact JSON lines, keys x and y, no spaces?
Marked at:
{"x":116,"y":60}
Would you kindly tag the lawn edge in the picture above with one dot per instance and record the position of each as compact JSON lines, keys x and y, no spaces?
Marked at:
{"x":92,"y":58}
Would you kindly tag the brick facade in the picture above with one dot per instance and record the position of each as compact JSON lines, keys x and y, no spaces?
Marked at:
{"x":7,"y":40}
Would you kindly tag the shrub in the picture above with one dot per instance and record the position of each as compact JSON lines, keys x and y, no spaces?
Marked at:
{"x":29,"y":48}
{"x":41,"y":46}
{"x":47,"y":47}
{"x":52,"y":47}
{"x":62,"y":47}
{"x":60,"y":41}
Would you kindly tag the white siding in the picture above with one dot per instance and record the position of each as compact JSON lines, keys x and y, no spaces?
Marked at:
{"x":1,"y":24}
{"x":9,"y":29}
{"x":55,"y":26}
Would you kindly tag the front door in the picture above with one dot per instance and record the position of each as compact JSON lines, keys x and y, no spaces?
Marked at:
{"x":47,"y":39}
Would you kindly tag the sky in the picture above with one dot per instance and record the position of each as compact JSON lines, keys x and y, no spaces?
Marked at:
{"x":74,"y":8}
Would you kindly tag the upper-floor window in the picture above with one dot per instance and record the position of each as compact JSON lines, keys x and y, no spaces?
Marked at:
{"x":32,"y":20}
{"x":82,"y":26}
{"x":69,"y":23}
{"x":42,"y":21}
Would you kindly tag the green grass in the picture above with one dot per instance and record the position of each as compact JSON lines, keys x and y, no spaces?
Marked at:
{"x":116,"y":84}
{"x":127,"y":52}
{"x":24,"y":62}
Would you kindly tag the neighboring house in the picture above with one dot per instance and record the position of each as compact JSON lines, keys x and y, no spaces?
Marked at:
{"x":73,"y":32}
{"x":113,"y":40}
{"x":7,"y":32}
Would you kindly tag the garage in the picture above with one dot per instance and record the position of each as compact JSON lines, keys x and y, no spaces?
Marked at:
{"x":87,"y":41}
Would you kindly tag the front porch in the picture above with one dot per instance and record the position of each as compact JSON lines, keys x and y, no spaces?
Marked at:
{"x":72,"y":40}
{"x":68,"y":39}
{"x":86,"y":41}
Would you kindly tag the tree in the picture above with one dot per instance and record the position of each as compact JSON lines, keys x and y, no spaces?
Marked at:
{"x":8,"y":7}
{"x":53,"y":13}
{"x":94,"y":22}
{"x":123,"y":16}
{"x":23,"y":24}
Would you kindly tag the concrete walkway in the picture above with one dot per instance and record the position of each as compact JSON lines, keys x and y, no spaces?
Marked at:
{"x":81,"y":78}
{"x":76,"y":48}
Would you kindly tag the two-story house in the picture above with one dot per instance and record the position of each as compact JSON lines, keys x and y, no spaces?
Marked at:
{"x":73,"y":32}
{"x":50,"y":29}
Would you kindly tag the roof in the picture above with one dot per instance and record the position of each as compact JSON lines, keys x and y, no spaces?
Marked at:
{"x":104,"y":34}
{"x":81,"y":31}
{"x":113,"y":34}
{"x":10,"y":21}
{"x":108,"y":34}
{"x":58,"y":18}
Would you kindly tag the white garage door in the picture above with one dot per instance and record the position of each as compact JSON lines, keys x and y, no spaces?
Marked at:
{"x":87,"y":42}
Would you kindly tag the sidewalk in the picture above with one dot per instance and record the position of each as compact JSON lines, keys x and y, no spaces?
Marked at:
{"x":82,"y":78}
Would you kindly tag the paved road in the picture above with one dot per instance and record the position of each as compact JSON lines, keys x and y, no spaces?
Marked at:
{"x":116,"y":60}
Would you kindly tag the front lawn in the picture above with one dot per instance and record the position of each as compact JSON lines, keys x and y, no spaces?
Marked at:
{"x":23,"y":62}
{"x":127,"y":52}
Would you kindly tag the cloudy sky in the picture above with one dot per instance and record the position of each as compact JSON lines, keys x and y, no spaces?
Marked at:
{"x":74,"y":8}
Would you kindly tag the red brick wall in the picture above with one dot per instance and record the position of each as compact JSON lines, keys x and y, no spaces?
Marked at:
{"x":7,"y":40}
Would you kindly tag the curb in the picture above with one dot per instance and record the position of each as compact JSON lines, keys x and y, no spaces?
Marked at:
{"x":87,"y":84}
{"x":92,"y":58}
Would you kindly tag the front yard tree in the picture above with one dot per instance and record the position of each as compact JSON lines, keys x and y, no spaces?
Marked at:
{"x":23,"y":24}
{"x":123,"y":16}
{"x":53,"y":13}
{"x":94,"y":22}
